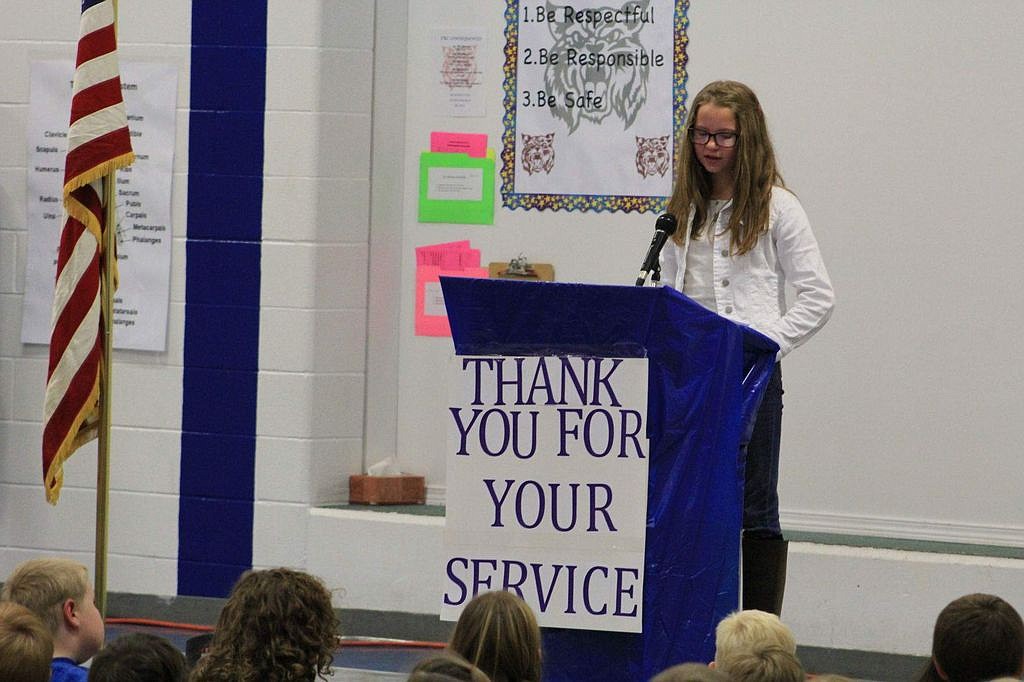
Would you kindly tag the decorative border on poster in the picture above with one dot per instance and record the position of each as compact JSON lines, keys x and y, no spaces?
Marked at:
{"x":584,"y":202}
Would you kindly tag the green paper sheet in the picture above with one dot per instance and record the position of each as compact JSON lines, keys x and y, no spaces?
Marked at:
{"x":456,"y":188}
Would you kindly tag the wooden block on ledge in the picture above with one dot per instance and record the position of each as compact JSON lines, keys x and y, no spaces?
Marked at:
{"x":400,"y":489}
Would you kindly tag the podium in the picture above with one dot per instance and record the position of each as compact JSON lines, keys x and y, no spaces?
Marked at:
{"x":706,"y":376}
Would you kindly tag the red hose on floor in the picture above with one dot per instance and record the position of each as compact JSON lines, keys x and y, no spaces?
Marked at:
{"x":148,"y":622}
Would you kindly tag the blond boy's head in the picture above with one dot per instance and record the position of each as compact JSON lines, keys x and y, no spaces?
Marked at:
{"x":769,"y":664}
{"x":58,"y":592}
{"x":745,"y":632}
{"x":26,"y":645}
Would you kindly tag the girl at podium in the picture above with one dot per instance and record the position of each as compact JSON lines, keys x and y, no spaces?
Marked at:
{"x":746,"y":239}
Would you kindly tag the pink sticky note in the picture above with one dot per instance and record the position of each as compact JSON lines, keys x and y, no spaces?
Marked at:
{"x":470,"y":258}
{"x":431,"y":316}
{"x":473,"y":144}
{"x":433,"y":254}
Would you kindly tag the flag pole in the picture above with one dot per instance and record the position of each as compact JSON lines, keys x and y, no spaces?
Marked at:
{"x":108,"y":261}
{"x":108,"y":257}
{"x":77,"y":403}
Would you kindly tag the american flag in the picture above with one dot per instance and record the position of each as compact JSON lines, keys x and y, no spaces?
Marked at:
{"x":98,"y":144}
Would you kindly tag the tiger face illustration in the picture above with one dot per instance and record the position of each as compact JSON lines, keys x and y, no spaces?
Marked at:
{"x":622,"y":88}
{"x":652,"y":156}
{"x":538,"y":153}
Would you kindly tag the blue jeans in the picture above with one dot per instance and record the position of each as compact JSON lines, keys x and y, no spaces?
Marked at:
{"x":761,"y":480}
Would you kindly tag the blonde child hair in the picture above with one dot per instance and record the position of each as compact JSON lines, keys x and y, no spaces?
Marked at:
{"x":768,"y":664}
{"x":42,"y":585}
{"x":744,"y":632}
{"x":26,"y":646}
{"x":498,"y":633}
{"x":756,"y":169}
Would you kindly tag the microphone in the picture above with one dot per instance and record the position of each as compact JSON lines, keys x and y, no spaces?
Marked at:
{"x":664,"y":227}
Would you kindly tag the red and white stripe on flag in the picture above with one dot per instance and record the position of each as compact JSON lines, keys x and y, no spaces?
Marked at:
{"x":98,"y":144}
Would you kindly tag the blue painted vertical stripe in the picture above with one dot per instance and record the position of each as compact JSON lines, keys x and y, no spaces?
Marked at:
{"x":222,"y":294}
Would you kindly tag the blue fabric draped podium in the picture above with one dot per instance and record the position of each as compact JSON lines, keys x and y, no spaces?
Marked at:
{"x":706,"y":378}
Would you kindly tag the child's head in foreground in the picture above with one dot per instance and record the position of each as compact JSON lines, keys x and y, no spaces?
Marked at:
{"x":59,"y":593}
{"x":26,"y":645}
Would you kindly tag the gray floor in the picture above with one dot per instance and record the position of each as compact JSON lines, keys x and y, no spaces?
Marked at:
{"x":355,"y":675}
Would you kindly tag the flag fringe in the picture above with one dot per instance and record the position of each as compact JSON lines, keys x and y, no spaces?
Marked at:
{"x":80,"y":212}
{"x":98,"y":171}
{"x":84,"y":427}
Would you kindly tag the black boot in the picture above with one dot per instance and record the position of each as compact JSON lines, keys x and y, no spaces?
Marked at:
{"x":764,"y":573}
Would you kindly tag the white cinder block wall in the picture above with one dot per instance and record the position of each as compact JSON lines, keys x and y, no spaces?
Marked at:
{"x":312,"y":349}
{"x":146,"y":438}
{"x":316,"y":215}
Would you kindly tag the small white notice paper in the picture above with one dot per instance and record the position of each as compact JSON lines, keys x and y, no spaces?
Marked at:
{"x":433,"y":299}
{"x":455,"y":184}
{"x":458,"y":56}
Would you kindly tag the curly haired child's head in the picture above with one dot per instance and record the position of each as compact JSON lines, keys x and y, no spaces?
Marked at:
{"x":278,"y":625}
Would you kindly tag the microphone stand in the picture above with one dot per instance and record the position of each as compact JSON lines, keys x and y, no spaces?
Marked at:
{"x":665,"y":227}
{"x":654,"y":277}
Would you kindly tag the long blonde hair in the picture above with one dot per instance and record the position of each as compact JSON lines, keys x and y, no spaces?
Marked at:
{"x":498,"y":633}
{"x":756,"y":169}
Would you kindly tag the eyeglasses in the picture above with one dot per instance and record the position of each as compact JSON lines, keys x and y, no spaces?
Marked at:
{"x":724,"y":138}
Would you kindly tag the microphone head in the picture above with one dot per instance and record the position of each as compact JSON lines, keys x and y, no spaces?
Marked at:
{"x":666,"y":223}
